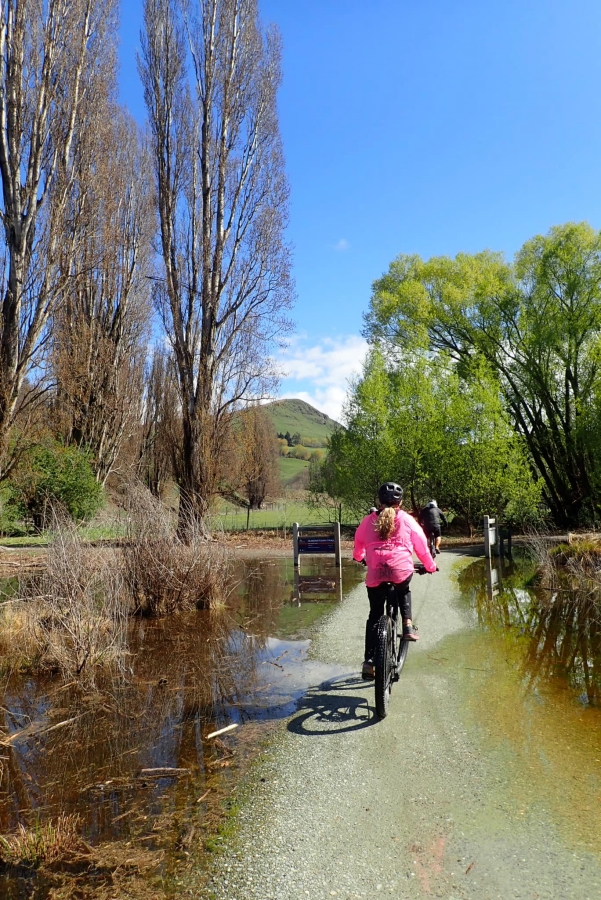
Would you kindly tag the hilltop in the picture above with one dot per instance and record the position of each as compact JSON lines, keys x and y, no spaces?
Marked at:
{"x":299,"y":417}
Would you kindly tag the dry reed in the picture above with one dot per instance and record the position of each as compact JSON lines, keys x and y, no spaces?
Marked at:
{"x":75,"y":610}
{"x":72,"y":617}
{"x":164,"y":573}
{"x":568,"y":567}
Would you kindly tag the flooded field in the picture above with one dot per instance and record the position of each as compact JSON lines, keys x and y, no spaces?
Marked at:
{"x":530,"y":675}
{"x":135,"y":761}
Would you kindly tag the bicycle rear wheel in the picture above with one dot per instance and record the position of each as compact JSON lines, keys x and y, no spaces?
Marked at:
{"x":383,"y":660}
{"x":402,"y":652}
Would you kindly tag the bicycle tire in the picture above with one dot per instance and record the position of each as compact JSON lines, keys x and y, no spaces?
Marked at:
{"x":402,"y":653}
{"x":383,"y":663}
{"x":432,"y":546}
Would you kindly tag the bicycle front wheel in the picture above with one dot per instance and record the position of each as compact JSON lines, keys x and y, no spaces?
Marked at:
{"x":383,"y":660}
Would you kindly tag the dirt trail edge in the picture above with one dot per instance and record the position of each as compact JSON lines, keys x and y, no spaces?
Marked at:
{"x":347,"y":806}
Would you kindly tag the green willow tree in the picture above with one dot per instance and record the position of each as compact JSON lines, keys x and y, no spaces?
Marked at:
{"x":536,"y":326}
{"x":411,"y":418}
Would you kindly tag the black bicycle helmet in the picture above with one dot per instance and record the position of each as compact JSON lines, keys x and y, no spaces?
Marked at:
{"x":390,"y":493}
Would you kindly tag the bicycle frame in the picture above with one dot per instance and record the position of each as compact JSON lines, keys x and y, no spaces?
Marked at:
{"x":393,"y":613}
{"x":432,"y":545}
{"x":391,"y":650}
{"x":390,"y":647}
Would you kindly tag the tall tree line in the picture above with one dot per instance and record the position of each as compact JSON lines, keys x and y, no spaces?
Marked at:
{"x":222,"y":290}
{"x":106,"y":227}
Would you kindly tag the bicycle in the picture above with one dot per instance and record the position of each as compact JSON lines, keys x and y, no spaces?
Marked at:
{"x":390,"y":648}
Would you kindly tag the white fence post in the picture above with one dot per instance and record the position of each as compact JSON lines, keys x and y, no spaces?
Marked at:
{"x":337,"y":544}
{"x":490,"y":536}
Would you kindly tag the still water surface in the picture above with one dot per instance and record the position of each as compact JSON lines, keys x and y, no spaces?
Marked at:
{"x":187,"y":676}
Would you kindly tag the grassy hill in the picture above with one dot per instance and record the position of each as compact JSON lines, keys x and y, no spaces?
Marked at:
{"x":296,"y":416}
{"x":299,"y":417}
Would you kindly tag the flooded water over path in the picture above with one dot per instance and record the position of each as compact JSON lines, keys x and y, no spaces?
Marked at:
{"x":135,"y":760}
{"x":138,"y":761}
{"x":530,"y":674}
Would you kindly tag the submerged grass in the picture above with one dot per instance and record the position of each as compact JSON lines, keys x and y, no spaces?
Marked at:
{"x":585,"y":552}
{"x":569,"y":566}
{"x":43,"y":844}
{"x":76,"y":609}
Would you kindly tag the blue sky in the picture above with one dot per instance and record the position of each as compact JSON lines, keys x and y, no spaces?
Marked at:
{"x":427,"y":127}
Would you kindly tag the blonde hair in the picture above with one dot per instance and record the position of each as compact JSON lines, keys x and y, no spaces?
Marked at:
{"x":386,"y":521}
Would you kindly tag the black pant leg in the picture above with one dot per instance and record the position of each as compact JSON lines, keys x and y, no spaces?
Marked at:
{"x":403,"y":592}
{"x":377,"y":601}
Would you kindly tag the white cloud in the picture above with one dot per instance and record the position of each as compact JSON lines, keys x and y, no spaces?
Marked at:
{"x":319,"y":373}
{"x":342,"y":245}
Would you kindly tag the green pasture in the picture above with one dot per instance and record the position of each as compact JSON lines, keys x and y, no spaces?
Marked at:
{"x":290,"y":468}
{"x":277,"y":515}
{"x":96,"y":530}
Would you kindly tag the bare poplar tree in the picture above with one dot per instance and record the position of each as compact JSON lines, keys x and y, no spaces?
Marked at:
{"x":101,"y":326}
{"x":210,"y":78}
{"x":49,"y":54}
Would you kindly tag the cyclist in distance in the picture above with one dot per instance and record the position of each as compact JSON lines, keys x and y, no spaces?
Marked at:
{"x":430,"y":518}
{"x":385,"y":540}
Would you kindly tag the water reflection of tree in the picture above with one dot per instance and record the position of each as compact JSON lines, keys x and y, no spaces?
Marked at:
{"x":562,"y":625}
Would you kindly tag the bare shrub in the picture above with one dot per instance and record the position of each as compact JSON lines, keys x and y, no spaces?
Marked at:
{"x":165,"y":573}
{"x":43,"y":844}
{"x":76,"y":609}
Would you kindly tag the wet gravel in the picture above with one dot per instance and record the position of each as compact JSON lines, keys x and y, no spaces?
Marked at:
{"x":343,"y":805}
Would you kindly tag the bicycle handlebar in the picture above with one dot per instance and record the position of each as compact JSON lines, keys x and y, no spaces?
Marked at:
{"x":418,"y":568}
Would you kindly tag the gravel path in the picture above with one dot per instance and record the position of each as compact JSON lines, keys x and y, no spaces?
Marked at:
{"x":347,"y":806}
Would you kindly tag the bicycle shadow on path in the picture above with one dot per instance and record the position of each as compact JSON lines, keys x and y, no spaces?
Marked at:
{"x":331,"y":708}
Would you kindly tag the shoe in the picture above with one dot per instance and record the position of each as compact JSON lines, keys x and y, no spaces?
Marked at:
{"x":367,"y":671}
{"x":410,"y":633}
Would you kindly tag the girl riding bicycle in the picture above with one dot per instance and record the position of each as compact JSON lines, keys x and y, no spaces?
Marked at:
{"x":385,"y":542}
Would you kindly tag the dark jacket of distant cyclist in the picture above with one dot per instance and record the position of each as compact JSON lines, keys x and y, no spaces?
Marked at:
{"x":430,"y":518}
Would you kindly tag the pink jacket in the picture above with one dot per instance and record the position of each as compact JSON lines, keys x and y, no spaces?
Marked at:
{"x":392,"y":559}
